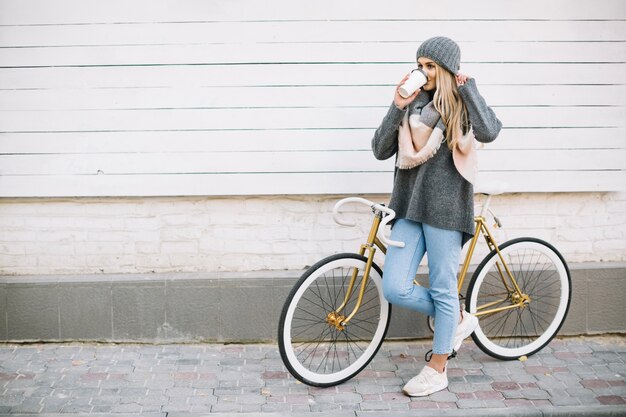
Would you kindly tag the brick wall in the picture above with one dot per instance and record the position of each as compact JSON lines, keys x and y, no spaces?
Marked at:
{"x":129,"y":235}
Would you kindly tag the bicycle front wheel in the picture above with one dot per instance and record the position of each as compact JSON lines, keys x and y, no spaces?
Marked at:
{"x":511,"y":323}
{"x":318,"y":352}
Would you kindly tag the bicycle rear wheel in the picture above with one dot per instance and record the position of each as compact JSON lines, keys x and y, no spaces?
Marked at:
{"x":544,"y":280}
{"x":315,"y":351}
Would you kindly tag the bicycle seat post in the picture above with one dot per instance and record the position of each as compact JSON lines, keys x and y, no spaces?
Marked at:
{"x":485,"y":208}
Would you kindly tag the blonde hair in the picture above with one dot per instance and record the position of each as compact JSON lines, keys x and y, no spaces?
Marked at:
{"x":450,"y":106}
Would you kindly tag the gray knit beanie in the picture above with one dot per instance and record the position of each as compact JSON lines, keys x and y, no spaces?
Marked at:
{"x":444,"y":51}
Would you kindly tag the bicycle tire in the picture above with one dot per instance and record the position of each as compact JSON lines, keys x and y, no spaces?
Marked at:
{"x":542,"y":273}
{"x":319,"y":354}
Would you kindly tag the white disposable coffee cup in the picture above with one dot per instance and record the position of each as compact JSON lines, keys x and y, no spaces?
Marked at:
{"x":416,"y":80}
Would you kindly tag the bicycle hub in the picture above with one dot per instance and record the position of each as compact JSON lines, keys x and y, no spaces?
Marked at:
{"x":336,"y":320}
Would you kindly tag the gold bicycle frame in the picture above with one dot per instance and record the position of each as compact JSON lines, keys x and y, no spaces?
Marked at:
{"x":512,"y":288}
{"x":513,"y":296}
{"x":335,"y":318}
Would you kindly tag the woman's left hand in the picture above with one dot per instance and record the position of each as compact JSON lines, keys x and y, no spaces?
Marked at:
{"x":461,"y":79}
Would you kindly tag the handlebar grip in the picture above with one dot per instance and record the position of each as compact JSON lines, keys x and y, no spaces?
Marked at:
{"x":381,"y":229}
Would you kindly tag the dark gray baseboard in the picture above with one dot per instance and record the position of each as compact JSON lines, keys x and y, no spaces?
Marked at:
{"x":228,"y":307}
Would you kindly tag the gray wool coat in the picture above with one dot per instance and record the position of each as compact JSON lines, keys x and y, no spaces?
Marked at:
{"x":434,"y":192}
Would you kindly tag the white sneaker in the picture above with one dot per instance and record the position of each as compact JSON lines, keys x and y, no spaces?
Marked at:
{"x":426,"y":382}
{"x":465,"y":328}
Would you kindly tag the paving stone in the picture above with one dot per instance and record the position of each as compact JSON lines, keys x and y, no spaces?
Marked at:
{"x":488,"y":395}
{"x":551,"y":384}
{"x":423,"y":405}
{"x":11,"y":399}
{"x":444,"y":396}
{"x":179,"y":392}
{"x":395,"y":397}
{"x":455,"y":388}
{"x":518,"y":394}
{"x":76,"y":409}
{"x":280,"y":408}
{"x":369,"y":389}
{"x":396,"y":407}
{"x":494,"y":404}
{"x":347,"y":398}
{"x":611,"y":400}
{"x":126,"y":408}
{"x":106,"y":409}
{"x":177,"y":408}
{"x":478,"y":379}
{"x":29,"y":405}
{"x":374,"y":406}
{"x":203,"y":379}
{"x":471,"y":403}
{"x":505,"y":386}
{"x":224,"y":407}
{"x":535,"y":394}
{"x":557,"y":400}
{"x":523,"y":378}
{"x":106,"y":400}
{"x":251,"y":399}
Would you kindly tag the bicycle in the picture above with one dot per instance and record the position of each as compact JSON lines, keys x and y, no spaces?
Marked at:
{"x":336,"y":317}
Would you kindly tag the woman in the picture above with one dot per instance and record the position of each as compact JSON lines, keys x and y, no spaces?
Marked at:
{"x":433,"y":196}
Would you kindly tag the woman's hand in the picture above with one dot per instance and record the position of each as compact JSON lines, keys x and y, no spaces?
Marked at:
{"x":400,"y":101}
{"x":461,"y":79}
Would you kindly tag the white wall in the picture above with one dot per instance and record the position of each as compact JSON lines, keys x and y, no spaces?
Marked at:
{"x":240,"y":97}
{"x":169,"y":234}
{"x":246,"y":120}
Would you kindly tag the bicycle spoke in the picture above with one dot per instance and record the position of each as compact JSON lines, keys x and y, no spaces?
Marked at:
{"x":314,"y":350}
{"x":317,"y":316}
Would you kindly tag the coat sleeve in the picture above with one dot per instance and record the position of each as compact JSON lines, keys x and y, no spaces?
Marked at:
{"x":385,"y":140}
{"x":483,"y":119}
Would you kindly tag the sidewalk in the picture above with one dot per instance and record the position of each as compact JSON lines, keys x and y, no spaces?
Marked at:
{"x":573,"y":376}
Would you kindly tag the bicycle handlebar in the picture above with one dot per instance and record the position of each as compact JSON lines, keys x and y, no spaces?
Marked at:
{"x":389,"y":217}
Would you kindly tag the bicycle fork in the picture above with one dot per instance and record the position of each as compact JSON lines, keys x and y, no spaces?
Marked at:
{"x":335,"y":318}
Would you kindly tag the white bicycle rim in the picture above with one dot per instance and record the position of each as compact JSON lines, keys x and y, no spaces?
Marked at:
{"x":369,"y":351}
{"x":558,"y":317}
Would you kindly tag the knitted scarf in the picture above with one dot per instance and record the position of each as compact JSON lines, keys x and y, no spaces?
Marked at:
{"x":419,"y":139}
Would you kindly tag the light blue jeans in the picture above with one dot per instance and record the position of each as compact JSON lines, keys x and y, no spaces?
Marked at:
{"x":441,"y":300}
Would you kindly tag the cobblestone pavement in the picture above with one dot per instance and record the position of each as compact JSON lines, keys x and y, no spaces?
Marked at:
{"x":572,"y":376}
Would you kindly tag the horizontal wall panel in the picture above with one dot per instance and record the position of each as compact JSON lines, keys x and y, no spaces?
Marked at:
{"x":198,"y":141}
{"x":281,"y":118}
{"x":310,"y":161}
{"x":233,"y":97}
{"x":307,"y":96}
{"x":118,"y":11}
{"x":323,"y":52}
{"x":560,"y":138}
{"x":552,"y":160}
{"x":294,"y":183}
{"x":192,"y":163}
{"x":194,"y":76}
{"x":281,"y":140}
{"x":200,"y":184}
{"x":308,"y":32}
{"x":557,"y":181}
